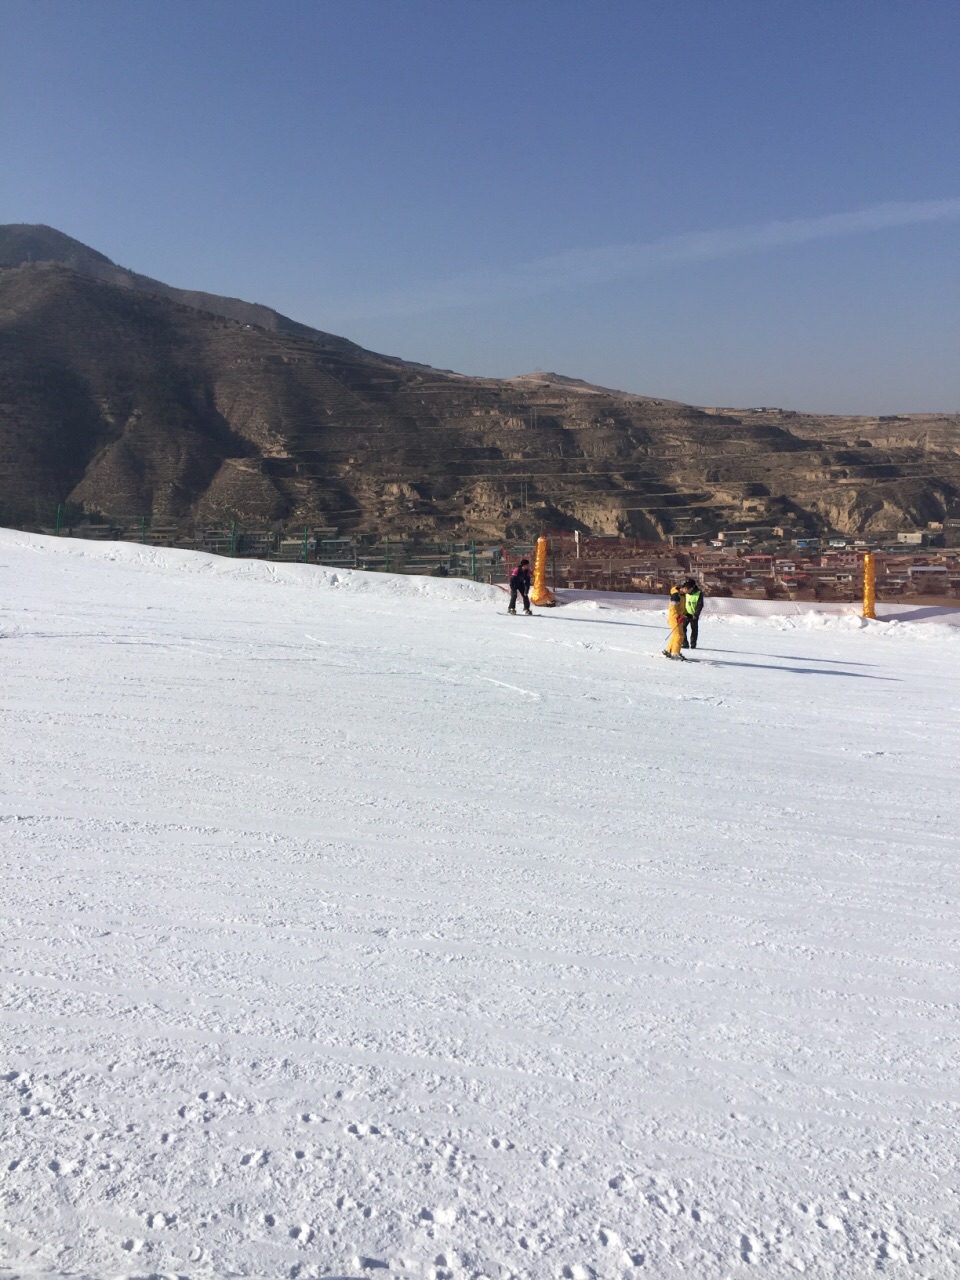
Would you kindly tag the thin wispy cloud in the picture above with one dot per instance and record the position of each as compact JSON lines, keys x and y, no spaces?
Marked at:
{"x":628,"y":261}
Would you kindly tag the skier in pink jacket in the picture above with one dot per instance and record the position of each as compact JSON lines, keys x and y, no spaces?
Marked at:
{"x":520,"y":584}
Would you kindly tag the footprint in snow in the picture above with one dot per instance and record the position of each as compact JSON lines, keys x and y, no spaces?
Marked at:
{"x":443,"y":1217}
{"x":829,"y":1222}
{"x":256,"y":1158}
{"x":747,"y":1247}
{"x":157,"y":1221}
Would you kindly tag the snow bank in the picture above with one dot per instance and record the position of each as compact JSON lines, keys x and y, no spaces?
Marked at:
{"x":307,"y":577}
{"x":731,"y":607}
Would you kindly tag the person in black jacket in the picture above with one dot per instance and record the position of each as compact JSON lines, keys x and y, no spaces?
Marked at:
{"x":520,"y":583}
{"x":692,"y":609}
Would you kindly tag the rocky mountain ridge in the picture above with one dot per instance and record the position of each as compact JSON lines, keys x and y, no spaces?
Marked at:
{"x":135,"y":398}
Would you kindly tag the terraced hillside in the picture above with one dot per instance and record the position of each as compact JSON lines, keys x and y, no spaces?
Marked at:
{"x":126,"y":396}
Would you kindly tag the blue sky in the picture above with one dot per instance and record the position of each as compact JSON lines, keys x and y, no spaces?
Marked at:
{"x":733,"y":202}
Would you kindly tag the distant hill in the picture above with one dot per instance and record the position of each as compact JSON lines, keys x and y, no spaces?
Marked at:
{"x":136,"y":398}
{"x":21,"y":243}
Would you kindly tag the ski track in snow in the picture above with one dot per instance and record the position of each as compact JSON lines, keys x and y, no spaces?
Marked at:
{"x":351,"y":929}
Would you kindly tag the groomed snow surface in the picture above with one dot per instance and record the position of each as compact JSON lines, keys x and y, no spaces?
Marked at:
{"x":353,"y":928}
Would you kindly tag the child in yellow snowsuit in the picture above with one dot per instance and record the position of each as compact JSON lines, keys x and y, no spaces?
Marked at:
{"x":675,"y":618}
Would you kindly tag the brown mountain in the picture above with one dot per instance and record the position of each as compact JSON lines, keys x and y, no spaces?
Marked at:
{"x":135,"y":398}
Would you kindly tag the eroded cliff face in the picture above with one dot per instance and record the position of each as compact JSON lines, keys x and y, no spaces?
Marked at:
{"x":137,"y":404}
{"x":875,"y":474}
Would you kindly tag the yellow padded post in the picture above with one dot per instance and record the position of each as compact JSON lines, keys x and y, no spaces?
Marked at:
{"x":540,"y":595}
{"x":869,"y":585}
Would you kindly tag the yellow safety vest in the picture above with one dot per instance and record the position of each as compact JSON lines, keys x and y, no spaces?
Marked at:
{"x":693,"y":599}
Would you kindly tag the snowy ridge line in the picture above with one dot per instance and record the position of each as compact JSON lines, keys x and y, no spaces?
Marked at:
{"x":269,"y":572}
{"x":731,"y":607}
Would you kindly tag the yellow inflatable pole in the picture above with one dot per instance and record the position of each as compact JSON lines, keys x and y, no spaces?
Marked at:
{"x":869,"y":585}
{"x":540,"y":595}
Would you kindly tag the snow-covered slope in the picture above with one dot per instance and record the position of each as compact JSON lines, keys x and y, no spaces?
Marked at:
{"x":352,"y":927}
